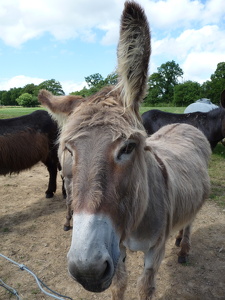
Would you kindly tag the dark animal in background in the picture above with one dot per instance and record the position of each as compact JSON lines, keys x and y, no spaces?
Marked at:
{"x":26,"y":140}
{"x":211,"y":123}
{"x":127,"y":190}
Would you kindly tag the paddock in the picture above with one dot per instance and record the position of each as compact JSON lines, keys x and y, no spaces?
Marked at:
{"x":32,"y":234}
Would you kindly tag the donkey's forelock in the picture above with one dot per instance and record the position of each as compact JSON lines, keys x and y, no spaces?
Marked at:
{"x":103,"y":109}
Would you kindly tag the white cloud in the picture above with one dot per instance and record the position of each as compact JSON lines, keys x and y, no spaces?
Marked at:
{"x":112,"y":33}
{"x":21,"y":20}
{"x":197,"y":51}
{"x":191,"y":29}
{"x":198,"y":66}
{"x":207,"y":38}
{"x":171,"y":14}
{"x":214,"y":12}
{"x":18,"y":81}
{"x":70,"y":86}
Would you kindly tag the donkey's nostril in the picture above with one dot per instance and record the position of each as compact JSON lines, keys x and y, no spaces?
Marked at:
{"x":97,"y":272}
{"x":94,"y":278}
{"x":107,"y":271}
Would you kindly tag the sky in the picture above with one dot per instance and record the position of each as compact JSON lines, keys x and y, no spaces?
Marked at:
{"x":68,"y":40}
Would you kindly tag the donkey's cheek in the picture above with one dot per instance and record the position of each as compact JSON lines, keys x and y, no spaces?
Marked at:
{"x":94,"y":251}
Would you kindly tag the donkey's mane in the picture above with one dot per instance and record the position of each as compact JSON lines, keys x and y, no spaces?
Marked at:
{"x":102,"y":109}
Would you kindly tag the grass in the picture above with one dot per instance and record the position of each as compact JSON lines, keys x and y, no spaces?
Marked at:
{"x":216,"y":173}
{"x":216,"y":166}
{"x":177,"y":110}
{"x":16,"y":111}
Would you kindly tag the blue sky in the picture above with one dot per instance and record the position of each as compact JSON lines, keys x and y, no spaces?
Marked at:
{"x":67,"y":40}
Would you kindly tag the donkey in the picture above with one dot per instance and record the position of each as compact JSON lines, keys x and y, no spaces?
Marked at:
{"x":211,"y":123}
{"x":128,"y":190}
{"x":65,"y":105}
{"x":26,"y":140}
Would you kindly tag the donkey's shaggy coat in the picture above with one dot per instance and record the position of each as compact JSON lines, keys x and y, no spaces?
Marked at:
{"x":127,"y":190}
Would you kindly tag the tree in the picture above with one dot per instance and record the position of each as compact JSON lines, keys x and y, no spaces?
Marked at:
{"x":155,"y":91}
{"x":14,"y":94}
{"x":27,"y":100}
{"x":111,"y":79}
{"x":220,"y":71}
{"x":52,"y":86}
{"x":186,"y":93}
{"x":96,"y":82}
{"x":30,"y":88}
{"x":162,"y":83}
{"x":6,"y":98}
{"x":213,"y":88}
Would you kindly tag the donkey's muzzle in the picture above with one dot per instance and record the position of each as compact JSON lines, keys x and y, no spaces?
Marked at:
{"x":94,"y":251}
{"x":95,"y":277}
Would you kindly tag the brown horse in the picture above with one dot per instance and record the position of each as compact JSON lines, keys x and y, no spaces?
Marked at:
{"x":26,"y":140}
{"x":127,"y":190}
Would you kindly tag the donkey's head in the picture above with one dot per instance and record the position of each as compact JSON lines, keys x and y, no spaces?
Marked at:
{"x":106,"y":143}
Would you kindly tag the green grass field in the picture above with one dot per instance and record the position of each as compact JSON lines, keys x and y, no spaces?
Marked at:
{"x":16,"y":111}
{"x":216,"y":166}
{"x":176,"y":110}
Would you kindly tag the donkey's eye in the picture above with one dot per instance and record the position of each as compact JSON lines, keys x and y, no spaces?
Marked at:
{"x":67,"y":149}
{"x":126,"y":150}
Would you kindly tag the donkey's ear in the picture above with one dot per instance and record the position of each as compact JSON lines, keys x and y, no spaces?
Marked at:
{"x":60,"y":107}
{"x":222,"y":99}
{"x":133,"y":55}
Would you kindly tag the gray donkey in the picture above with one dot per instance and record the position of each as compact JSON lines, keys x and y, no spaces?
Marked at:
{"x":127,"y":190}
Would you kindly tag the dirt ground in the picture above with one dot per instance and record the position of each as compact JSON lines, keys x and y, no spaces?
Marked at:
{"x":31,"y":233}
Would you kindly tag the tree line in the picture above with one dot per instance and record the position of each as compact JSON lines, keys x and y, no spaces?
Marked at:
{"x":27,"y":95}
{"x":166,"y":87}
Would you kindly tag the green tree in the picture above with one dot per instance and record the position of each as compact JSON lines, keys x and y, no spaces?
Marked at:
{"x":14,"y":94}
{"x":6,"y":98}
{"x":213,"y":88}
{"x":162,"y":83}
{"x":186,"y":93}
{"x":30,"y":88}
{"x":220,"y":71}
{"x":155,"y":91}
{"x":51,"y":85}
{"x":1,"y":93}
{"x":111,"y":79}
{"x":96,"y":82}
{"x":27,"y":100}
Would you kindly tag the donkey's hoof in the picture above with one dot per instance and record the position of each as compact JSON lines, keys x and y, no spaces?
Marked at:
{"x":177,"y":242}
{"x":67,"y":227}
{"x":49,"y":195}
{"x":182,"y":259}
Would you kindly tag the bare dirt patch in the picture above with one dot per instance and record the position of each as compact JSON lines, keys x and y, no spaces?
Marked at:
{"x":31,"y":233}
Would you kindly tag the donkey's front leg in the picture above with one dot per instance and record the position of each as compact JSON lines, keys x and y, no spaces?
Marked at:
{"x":146,"y":283}
{"x":67,"y":182}
{"x":119,"y":282}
